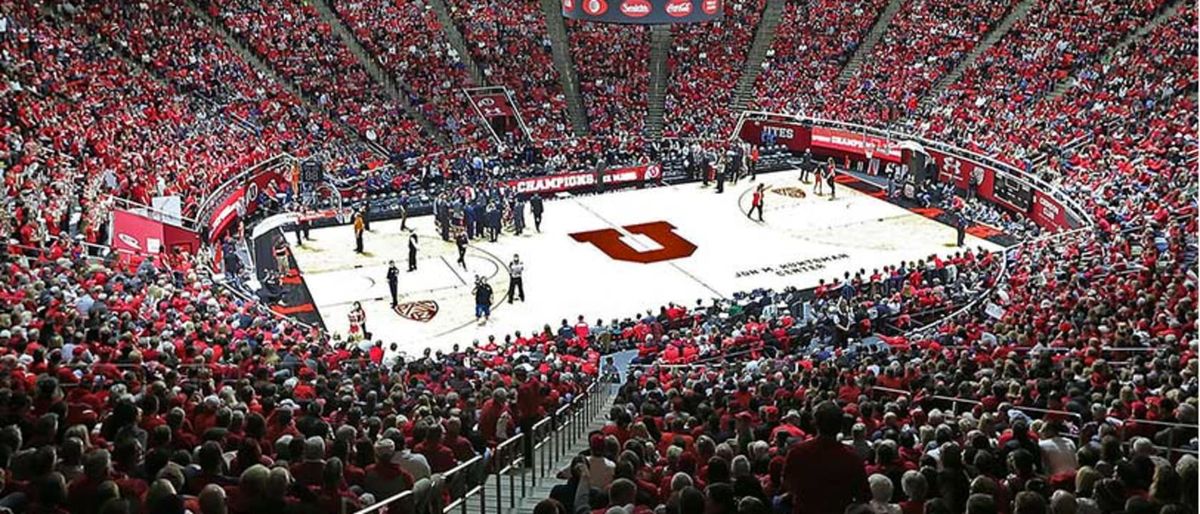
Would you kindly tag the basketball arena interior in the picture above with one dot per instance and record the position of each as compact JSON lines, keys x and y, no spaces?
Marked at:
{"x":599,"y":256}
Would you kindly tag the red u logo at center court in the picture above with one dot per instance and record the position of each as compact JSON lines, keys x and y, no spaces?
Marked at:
{"x":673,"y":246}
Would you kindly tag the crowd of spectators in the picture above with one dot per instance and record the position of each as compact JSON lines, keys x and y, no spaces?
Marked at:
{"x":613,"y":65}
{"x":410,"y":43}
{"x":509,"y":42}
{"x":149,"y":389}
{"x":704,"y":67}
{"x":153,"y":390}
{"x":290,"y":37}
{"x":1054,"y":42}
{"x":81,"y":123}
{"x":813,"y":42}
{"x":924,"y":41}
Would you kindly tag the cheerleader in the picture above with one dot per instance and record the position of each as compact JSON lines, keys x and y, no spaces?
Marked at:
{"x":358,"y":322}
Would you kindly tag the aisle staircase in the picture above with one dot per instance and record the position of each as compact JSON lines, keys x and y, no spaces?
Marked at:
{"x":391,"y":85}
{"x":660,"y":47}
{"x":868,"y":42}
{"x":561,"y":50}
{"x":566,"y":450}
{"x":1016,"y":14}
{"x":238,"y":47}
{"x":764,"y":38}
{"x":457,"y":41}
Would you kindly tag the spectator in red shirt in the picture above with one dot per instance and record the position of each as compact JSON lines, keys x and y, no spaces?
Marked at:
{"x":824,"y":475}
{"x":440,"y":457}
{"x":528,"y":409}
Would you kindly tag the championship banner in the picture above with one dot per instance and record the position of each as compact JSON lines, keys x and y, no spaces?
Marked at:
{"x":585,"y":180}
{"x":644,"y":12}
{"x":862,"y":144}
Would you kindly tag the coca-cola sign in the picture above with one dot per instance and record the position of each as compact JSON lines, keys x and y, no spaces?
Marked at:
{"x":595,"y":7}
{"x":636,"y":8}
{"x":679,"y":8}
{"x":644,"y":12}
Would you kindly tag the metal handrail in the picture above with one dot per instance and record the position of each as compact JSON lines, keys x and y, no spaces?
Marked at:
{"x":551,"y":435}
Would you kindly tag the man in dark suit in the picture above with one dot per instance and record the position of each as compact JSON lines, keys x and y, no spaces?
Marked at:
{"x":960,"y":226}
{"x":393,"y":280}
{"x":535,"y":206}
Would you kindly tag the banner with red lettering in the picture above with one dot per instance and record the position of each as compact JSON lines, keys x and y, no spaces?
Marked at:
{"x":856,"y":143}
{"x":1048,"y":212}
{"x":585,"y":180}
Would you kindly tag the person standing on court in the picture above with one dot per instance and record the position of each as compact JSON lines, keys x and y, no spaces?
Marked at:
{"x":806,"y":166}
{"x":516,"y":269}
{"x":412,"y":252}
{"x":536,"y":207}
{"x":493,"y":221}
{"x":483,"y":300}
{"x":831,"y":178}
{"x":460,"y":240}
{"x":393,"y":280}
{"x":358,"y":232}
{"x":756,"y":202}
{"x":960,"y":226}
{"x":752,"y":161}
{"x":720,"y":167}
{"x":518,"y":214}
{"x":366,"y":214}
{"x":823,"y":475}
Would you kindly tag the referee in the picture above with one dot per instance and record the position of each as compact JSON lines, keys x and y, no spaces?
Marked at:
{"x":515,"y":269}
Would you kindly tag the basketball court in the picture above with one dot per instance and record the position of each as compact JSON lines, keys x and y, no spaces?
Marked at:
{"x":614,"y":256}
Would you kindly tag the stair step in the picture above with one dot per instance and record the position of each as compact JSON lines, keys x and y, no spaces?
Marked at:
{"x":764,"y":38}
{"x":660,"y":46}
{"x":994,"y":36}
{"x":556,"y":28}
{"x":390,"y":85}
{"x":868,"y":43}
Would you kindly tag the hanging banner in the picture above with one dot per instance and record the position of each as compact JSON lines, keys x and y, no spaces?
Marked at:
{"x":644,"y":12}
{"x":493,"y":104}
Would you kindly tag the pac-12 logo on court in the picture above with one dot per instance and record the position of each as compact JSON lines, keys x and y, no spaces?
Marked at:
{"x":608,"y":240}
{"x":422,"y":310}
